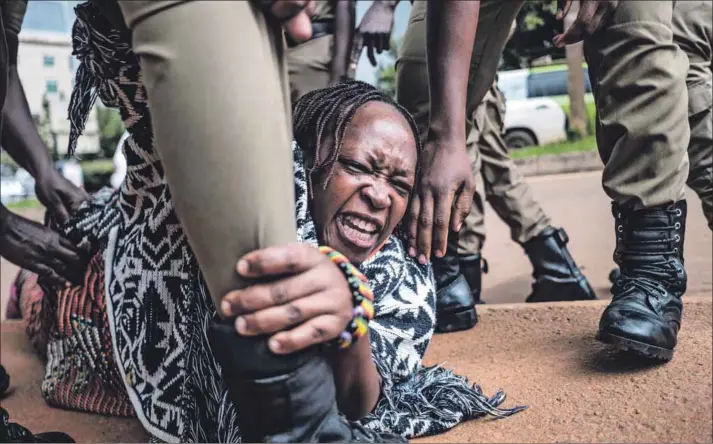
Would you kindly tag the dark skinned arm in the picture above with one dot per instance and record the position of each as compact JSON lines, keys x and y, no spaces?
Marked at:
{"x":446,"y":176}
{"x":357,"y":381}
{"x":344,"y":18}
{"x":24,"y":144}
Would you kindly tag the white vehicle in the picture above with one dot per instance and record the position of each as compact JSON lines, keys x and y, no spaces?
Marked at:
{"x":534,"y":122}
{"x":537,"y":102}
{"x":11,"y":190}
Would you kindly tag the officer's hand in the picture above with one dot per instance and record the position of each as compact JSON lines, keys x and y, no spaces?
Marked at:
{"x":375,"y":28}
{"x":446,"y":183}
{"x":294,"y":14}
{"x":588,"y":21}
{"x":60,"y":196}
{"x":37,"y":248}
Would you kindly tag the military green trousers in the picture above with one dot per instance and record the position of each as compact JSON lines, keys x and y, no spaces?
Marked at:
{"x":638,"y":77}
{"x":502,"y":185}
{"x":693,"y":33}
{"x":309,"y":65}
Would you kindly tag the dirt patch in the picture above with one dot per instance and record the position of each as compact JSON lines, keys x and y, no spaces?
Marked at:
{"x":575,"y":388}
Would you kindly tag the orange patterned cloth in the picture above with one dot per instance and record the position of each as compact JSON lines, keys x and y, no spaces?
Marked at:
{"x":70,"y":329}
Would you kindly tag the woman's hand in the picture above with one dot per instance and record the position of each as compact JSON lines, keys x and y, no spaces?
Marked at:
{"x":307,"y":300}
{"x":37,"y":248}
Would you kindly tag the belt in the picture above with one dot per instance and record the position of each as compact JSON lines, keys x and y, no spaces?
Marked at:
{"x":319,"y":29}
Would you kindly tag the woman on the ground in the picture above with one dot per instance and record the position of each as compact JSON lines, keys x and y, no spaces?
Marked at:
{"x":356,"y":159}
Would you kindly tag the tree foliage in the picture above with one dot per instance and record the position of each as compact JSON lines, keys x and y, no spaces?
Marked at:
{"x":110,"y":130}
{"x":535,"y":29}
{"x":386,"y":72}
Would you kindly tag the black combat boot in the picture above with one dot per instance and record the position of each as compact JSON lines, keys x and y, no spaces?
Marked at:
{"x":288,"y":398}
{"x":455,"y":306}
{"x":11,"y":432}
{"x":644,"y":315}
{"x":473,"y":267}
{"x":557,"y":277}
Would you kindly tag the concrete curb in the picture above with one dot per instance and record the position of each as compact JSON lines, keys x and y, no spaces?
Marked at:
{"x":559,"y":163}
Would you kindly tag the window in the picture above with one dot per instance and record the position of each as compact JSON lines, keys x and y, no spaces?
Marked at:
{"x":51,"y":86}
{"x":547,"y":84}
{"x":73,"y":64}
{"x":48,"y":61}
{"x":553,"y":83}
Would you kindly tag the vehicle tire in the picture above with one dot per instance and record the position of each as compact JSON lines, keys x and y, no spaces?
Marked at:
{"x":517,"y":139}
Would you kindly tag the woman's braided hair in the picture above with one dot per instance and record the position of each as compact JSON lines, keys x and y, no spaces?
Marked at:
{"x":332,"y":108}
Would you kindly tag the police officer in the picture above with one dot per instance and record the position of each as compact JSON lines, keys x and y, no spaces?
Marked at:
{"x":638,"y":75}
{"x":458,"y":273}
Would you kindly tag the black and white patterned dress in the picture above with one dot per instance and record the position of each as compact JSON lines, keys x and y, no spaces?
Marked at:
{"x":157,"y":305}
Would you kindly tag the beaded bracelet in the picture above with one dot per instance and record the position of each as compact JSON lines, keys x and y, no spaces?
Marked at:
{"x":362,"y":297}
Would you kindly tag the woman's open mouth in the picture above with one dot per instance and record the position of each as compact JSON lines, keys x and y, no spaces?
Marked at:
{"x":360,"y":231}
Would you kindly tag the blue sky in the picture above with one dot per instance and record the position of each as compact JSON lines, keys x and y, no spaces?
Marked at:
{"x":364,"y":69}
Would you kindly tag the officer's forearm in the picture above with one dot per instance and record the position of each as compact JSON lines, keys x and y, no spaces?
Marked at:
{"x":19,"y":132}
{"x":344,"y":21}
{"x":450,"y":34}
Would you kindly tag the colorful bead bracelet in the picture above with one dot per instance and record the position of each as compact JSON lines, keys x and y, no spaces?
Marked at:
{"x":362,"y":298}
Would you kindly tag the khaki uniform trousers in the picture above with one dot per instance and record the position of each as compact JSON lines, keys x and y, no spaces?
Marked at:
{"x":693,"y":33}
{"x":309,"y":65}
{"x":502,"y":185}
{"x":638,"y":74}
{"x":217,"y":87}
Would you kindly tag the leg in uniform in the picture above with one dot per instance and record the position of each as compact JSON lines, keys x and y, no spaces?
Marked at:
{"x":638,"y":74}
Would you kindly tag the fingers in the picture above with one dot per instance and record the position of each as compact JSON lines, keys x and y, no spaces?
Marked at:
{"x":441,"y":219}
{"x":299,"y":28}
{"x":369,"y":42}
{"x":563,"y":8}
{"x":315,"y":331}
{"x":59,"y":212}
{"x":262,"y":296}
{"x":46,"y":273}
{"x":412,"y":223}
{"x":281,"y":317}
{"x":278,"y":260}
{"x":463,"y":204}
{"x":425,"y":227}
{"x":581,"y":26}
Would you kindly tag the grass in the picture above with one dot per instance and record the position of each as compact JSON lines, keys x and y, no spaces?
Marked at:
{"x":587,"y":143}
{"x":99,"y":166}
{"x":27,"y":204}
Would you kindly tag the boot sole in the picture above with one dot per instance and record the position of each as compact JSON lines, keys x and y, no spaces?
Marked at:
{"x":639,"y":348}
{"x":449,"y":322}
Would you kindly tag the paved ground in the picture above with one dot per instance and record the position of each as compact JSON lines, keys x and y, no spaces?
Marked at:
{"x":544,"y":356}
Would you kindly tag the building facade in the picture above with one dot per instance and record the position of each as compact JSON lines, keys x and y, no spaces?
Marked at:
{"x":46,"y":67}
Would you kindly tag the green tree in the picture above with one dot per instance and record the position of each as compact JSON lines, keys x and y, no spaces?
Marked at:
{"x":386,"y":72}
{"x":110,"y":130}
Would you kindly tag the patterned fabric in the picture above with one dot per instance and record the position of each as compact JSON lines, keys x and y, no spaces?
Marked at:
{"x":157,"y":306}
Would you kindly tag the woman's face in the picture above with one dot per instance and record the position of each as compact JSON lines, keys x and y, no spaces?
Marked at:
{"x":370,"y":187}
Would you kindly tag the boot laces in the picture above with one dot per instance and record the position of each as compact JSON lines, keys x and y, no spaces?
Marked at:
{"x":648,"y":276}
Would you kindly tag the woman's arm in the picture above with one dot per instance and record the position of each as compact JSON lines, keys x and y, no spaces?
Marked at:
{"x":344,"y":18}
{"x":357,"y":380}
